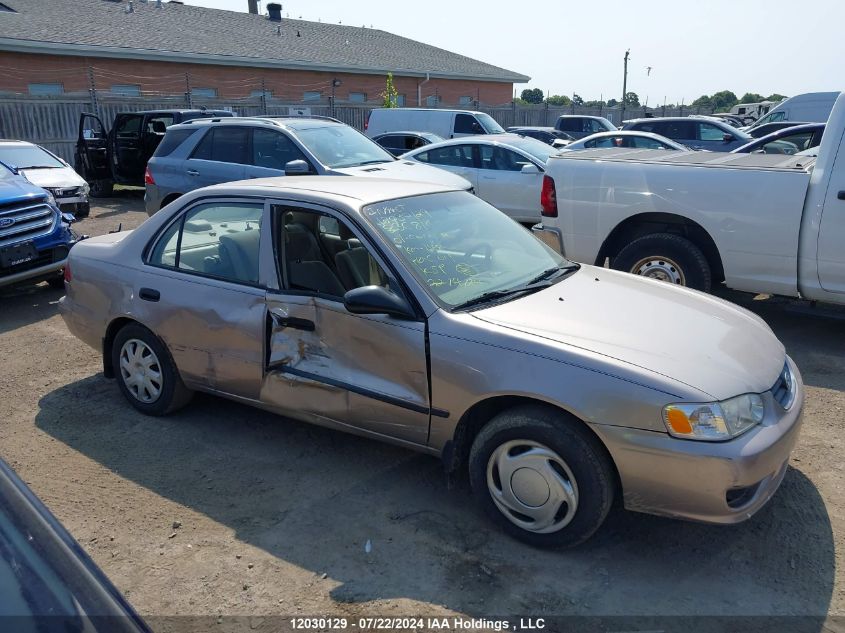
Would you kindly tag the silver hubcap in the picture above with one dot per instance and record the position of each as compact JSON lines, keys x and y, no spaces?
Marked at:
{"x":532,"y":486}
{"x":140,"y":370}
{"x":660,"y":268}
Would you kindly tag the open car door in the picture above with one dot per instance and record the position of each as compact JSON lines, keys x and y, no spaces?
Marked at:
{"x":92,"y":160}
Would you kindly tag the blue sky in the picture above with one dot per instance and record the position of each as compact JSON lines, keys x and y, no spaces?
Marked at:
{"x":694,"y":48}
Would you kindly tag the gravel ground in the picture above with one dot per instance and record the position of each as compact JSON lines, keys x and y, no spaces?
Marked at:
{"x":224,"y":509}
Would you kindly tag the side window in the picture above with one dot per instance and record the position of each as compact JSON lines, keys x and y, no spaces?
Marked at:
{"x":172,"y":140}
{"x":594,"y":126}
{"x":467,"y":124}
{"x":423,"y":157}
{"x":128,"y":127}
{"x":217,"y":239}
{"x":709,"y":132}
{"x":451,"y":155}
{"x":308,"y":267}
{"x":569,"y":125}
{"x":224,"y":145}
{"x":273,"y":149}
{"x":607,"y":141}
{"x":159,"y":123}
{"x":501,"y":159}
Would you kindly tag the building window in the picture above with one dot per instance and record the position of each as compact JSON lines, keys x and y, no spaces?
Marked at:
{"x":46,"y":89}
{"x":432,"y":101}
{"x":358,"y":97}
{"x":464,"y":100}
{"x":312,"y":95}
{"x":127,"y":90}
{"x":207,"y":93}
{"x":400,"y":101}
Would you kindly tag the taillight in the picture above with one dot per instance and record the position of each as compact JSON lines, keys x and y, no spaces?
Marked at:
{"x":548,"y":198}
{"x":148,"y":177}
{"x":68,"y":275}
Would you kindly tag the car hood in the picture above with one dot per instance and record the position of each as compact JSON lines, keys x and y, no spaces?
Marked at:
{"x":704,"y":342}
{"x":408,"y":170}
{"x":54,"y":177}
{"x":17,"y":188}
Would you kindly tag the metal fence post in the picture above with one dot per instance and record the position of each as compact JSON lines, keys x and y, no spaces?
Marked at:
{"x":188,"y":96}
{"x":92,"y":89}
{"x":263,"y":96}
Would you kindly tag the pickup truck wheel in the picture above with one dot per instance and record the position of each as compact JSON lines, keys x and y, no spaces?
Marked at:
{"x":146,"y":373}
{"x":666,"y":257}
{"x":541,"y":477}
{"x":101,"y":188}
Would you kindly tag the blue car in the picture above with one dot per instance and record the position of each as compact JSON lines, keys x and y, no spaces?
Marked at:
{"x":35,"y":237}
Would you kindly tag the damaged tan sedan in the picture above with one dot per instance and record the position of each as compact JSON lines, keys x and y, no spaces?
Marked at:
{"x":421,"y":315}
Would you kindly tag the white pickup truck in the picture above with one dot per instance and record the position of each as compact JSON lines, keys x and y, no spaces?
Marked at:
{"x":762,"y":223}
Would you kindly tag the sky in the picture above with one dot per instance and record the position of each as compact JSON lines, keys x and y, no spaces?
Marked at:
{"x":566,"y":47}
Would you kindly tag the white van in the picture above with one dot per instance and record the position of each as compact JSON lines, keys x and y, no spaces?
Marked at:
{"x":812,"y":107}
{"x":446,"y":123}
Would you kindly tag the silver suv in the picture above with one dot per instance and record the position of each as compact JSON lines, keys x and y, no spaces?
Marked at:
{"x":213,"y":151}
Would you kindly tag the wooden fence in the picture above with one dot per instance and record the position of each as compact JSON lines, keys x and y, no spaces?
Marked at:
{"x":53,"y":121}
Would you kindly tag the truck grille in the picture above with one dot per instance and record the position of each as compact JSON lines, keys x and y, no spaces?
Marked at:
{"x":783,"y":390}
{"x":25,"y":220}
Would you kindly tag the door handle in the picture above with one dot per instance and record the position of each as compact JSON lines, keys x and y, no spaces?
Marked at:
{"x":148,"y":294}
{"x":841,"y":195}
{"x":292,"y":322}
{"x":193,"y":172}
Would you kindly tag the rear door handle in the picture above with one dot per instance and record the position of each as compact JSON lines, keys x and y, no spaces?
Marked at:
{"x":193,"y":172}
{"x":293,"y":322}
{"x":841,"y":195}
{"x":148,"y":294}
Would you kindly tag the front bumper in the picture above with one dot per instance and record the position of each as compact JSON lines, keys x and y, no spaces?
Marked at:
{"x":714,"y":482}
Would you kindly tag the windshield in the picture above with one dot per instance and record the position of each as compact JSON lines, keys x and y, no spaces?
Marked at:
{"x":607,"y":124}
{"x":460,"y":247}
{"x":489,"y":123}
{"x":28,"y":157}
{"x":342,"y":146}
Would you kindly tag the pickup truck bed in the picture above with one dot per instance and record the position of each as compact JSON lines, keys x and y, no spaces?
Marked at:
{"x":700,"y":159}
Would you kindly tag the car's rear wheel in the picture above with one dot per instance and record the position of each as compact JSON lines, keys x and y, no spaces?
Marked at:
{"x":146,"y":373}
{"x":542,"y":476}
{"x":666,"y":257}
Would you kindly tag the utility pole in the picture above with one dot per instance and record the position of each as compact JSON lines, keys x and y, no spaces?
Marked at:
{"x":624,"y":86}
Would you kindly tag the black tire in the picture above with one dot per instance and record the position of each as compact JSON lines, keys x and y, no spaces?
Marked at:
{"x":173,"y":392}
{"x":582,"y":453}
{"x":682,"y":254}
{"x":102,"y":188}
{"x":83,"y":210}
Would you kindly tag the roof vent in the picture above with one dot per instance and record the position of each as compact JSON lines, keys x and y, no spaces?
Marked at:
{"x":274,"y":11}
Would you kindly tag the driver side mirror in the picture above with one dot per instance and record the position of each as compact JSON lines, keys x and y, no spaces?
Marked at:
{"x":530,"y":168}
{"x":297,"y":168}
{"x":728,"y":137}
{"x":377,"y":300}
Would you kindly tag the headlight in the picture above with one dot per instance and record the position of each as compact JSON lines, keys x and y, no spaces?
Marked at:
{"x":85,"y":189}
{"x":51,"y":199}
{"x":714,"y":421}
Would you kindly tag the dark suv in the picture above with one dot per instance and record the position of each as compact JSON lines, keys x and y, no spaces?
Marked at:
{"x":119,"y":156}
{"x":695,"y":133}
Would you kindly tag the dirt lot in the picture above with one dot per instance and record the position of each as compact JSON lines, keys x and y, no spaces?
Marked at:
{"x":275,"y":514}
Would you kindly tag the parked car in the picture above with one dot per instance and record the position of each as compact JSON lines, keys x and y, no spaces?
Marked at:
{"x":211,"y":151}
{"x":419,"y":314}
{"x":397,"y":143}
{"x":49,"y":582}
{"x":791,"y":140}
{"x":730,"y":119}
{"x":45,"y":169}
{"x":709,"y":134}
{"x":620,"y":138}
{"x":813,"y":107}
{"x":445,"y":123}
{"x":762,"y":223}
{"x":119,"y":156}
{"x":767,"y":128}
{"x":505,"y":170}
{"x":548,"y":135}
{"x":579,"y":126}
{"x":35,"y":237}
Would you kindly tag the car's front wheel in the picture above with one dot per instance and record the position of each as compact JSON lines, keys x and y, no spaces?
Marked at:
{"x":666,"y":257}
{"x":542,"y":476}
{"x":146,"y":373}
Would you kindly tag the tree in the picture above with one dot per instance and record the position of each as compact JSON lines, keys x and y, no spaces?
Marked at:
{"x":534,"y":95}
{"x":632,"y":100}
{"x":612,"y":103}
{"x":559,"y":100}
{"x":390,"y":96}
{"x":775,"y":97}
{"x":577,"y":100}
{"x":702,"y":102}
{"x":723,"y":100}
{"x":751,"y":97}
{"x":594,"y":104}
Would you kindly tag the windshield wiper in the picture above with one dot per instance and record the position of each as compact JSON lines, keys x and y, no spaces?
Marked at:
{"x":39,"y":167}
{"x":371,"y":162}
{"x":539,"y":282}
{"x":551,"y":272}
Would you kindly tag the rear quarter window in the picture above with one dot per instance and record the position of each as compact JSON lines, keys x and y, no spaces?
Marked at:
{"x":172,"y":140}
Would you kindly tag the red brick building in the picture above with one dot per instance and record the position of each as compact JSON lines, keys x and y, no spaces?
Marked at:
{"x":51,"y":47}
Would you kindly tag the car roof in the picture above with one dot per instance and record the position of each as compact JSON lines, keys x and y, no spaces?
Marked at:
{"x":540,"y":128}
{"x":408,"y":132}
{"x":11,"y":141}
{"x":292,"y":123}
{"x":508,"y":138}
{"x":362,"y":190}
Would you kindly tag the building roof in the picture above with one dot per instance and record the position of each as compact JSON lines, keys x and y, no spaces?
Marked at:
{"x":177,"y":32}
